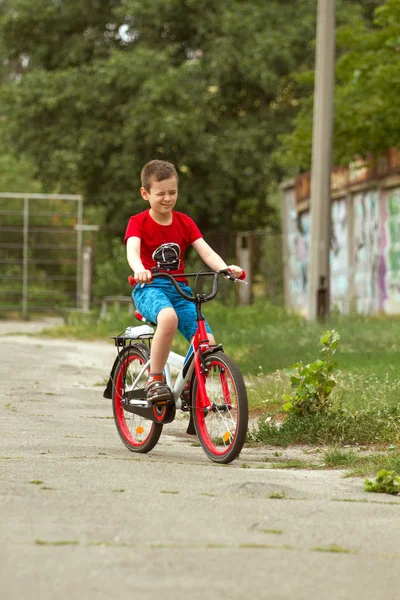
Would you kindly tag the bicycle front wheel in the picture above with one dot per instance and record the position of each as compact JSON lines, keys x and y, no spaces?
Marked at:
{"x":221,"y":428}
{"x":137,"y":433}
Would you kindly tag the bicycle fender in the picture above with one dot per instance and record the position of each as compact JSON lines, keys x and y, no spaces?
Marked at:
{"x":109,"y":387}
{"x":211,"y":350}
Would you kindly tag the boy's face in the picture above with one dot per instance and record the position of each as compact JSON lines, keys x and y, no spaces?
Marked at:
{"x":162,"y":195}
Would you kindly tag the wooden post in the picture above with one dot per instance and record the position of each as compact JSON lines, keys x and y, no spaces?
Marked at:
{"x":244,"y":251}
{"x":86,"y":278}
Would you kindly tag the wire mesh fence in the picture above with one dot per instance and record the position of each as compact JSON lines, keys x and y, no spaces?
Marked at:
{"x":40,"y":252}
{"x":42,"y":266}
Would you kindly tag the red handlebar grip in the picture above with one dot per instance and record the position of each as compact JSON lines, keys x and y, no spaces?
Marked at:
{"x":243,"y":275}
{"x":131,"y":280}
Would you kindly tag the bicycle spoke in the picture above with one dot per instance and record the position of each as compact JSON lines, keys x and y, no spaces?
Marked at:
{"x":137,"y":433}
{"x":221,"y":429}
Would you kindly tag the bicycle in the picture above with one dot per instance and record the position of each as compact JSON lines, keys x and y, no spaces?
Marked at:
{"x":209,"y":385}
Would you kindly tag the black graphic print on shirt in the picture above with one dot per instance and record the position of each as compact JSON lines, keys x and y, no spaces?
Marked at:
{"x":167,"y":256}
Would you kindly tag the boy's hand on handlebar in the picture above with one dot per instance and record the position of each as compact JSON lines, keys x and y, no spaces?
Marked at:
{"x":236,"y":271}
{"x":144,"y":276}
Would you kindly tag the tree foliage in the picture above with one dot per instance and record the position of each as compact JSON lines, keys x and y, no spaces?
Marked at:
{"x":95,"y":89}
{"x":366,"y":92}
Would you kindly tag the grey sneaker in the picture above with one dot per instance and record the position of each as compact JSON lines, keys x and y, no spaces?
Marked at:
{"x":157,"y":392}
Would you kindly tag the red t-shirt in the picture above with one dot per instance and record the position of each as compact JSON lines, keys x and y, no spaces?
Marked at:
{"x":163,"y":245}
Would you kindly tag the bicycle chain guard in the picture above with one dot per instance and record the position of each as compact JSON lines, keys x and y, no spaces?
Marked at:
{"x":159,"y":414}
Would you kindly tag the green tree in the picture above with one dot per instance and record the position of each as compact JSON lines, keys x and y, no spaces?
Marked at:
{"x":17,"y":174}
{"x":366,"y":93}
{"x":102,"y":87}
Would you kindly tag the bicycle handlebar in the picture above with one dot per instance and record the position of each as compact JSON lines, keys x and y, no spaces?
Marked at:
{"x":226,"y":273}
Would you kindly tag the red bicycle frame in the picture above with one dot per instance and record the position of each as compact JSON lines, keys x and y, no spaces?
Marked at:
{"x":201,"y":343}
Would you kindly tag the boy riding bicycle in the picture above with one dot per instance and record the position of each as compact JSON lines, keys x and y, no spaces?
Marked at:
{"x":159,"y":237}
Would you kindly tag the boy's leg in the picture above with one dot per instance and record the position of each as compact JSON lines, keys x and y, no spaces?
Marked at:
{"x":153,"y":302}
{"x":187,"y":326}
{"x":167,"y":323}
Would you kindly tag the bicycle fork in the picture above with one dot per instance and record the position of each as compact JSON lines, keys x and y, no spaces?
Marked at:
{"x":201,"y":370}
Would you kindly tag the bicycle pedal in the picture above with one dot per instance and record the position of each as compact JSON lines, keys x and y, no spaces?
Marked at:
{"x":138,"y":402}
{"x":156,"y":402}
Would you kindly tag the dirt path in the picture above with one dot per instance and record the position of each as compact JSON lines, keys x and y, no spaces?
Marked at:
{"x":80,"y":515}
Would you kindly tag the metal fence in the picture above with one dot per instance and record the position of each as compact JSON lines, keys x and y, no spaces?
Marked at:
{"x":48,"y":265}
{"x":40,"y":252}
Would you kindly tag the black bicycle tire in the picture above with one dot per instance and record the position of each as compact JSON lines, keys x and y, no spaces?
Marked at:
{"x":243,"y":411}
{"x":143,"y":353}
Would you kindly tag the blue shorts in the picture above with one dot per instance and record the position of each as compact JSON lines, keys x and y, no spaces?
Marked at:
{"x":150,"y":298}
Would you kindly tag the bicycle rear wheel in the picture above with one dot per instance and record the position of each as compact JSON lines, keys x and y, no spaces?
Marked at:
{"x":137,"y":433}
{"x":222,"y":429}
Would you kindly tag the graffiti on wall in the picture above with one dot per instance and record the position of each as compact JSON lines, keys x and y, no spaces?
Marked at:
{"x":299,"y":233}
{"x":367,"y":252}
{"x":374,"y":267}
{"x":297,"y":241}
{"x":339,"y":262}
{"x":390,"y":252}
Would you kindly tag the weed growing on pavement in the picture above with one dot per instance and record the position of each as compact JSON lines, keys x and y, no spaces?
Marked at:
{"x":372,"y":463}
{"x":338,"y":458}
{"x":335,"y":549}
{"x":295,"y":463}
{"x":114,"y":544}
{"x":387,"y":482}
{"x":12,"y":457}
{"x":274,"y":531}
{"x":364,"y":501}
{"x":277,"y":495}
{"x":57,"y":543}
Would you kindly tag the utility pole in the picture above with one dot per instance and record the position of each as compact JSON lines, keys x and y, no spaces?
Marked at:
{"x":320,"y":201}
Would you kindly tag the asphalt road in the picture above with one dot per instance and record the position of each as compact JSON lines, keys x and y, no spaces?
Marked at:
{"x":82,"y":516}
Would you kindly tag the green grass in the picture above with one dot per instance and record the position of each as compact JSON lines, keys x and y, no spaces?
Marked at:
{"x":265,"y":340}
{"x":360,"y":464}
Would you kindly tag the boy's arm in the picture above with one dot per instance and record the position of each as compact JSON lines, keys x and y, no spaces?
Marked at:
{"x":212,"y":259}
{"x":141,"y":274}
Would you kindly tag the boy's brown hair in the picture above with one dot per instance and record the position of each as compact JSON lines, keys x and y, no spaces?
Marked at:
{"x":158,"y":170}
